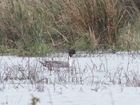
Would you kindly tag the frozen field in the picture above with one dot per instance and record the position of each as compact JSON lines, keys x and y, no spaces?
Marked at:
{"x":105,"y":79}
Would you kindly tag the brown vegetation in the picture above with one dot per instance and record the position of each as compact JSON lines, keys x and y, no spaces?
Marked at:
{"x":64,"y":22}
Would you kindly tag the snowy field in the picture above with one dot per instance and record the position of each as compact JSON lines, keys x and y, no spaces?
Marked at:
{"x":99,"y":79}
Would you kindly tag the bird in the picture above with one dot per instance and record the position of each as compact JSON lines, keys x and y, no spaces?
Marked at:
{"x":60,"y":64}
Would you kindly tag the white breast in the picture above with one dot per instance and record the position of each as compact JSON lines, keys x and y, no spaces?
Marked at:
{"x":71,"y":62}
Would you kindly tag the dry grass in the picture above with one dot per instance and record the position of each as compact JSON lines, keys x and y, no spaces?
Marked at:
{"x":61,"y":23}
{"x":98,"y":76}
{"x":101,"y":19}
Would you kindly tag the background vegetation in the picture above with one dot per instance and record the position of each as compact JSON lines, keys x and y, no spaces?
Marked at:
{"x":35,"y":27}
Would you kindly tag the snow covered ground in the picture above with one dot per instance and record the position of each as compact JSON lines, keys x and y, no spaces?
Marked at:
{"x":106,"y":79}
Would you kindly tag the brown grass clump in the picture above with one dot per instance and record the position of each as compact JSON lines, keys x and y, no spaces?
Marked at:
{"x":101,"y":19}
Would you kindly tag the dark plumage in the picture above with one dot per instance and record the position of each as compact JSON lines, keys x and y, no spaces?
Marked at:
{"x":71,"y":52}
